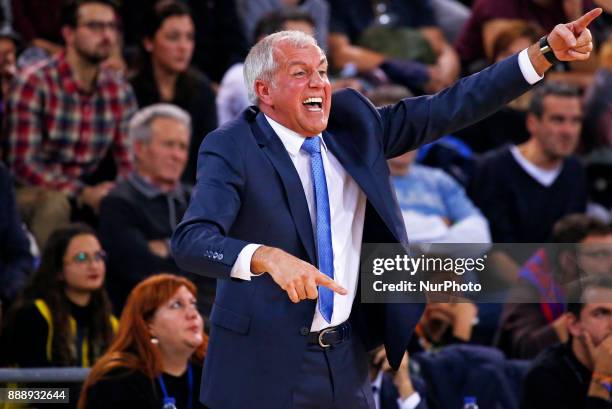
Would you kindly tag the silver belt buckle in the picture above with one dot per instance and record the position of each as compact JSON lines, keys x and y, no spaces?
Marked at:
{"x":321,"y":333}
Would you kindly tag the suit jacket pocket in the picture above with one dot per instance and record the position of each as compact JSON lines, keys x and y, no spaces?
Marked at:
{"x":230,"y":320}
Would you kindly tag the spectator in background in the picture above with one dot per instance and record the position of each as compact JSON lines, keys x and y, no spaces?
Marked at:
{"x":64,"y":318}
{"x":577,"y":374}
{"x":138,"y":216}
{"x":63,"y":117}
{"x":400,"y":38}
{"x":435,"y":207}
{"x":394,"y":389}
{"x":508,"y":124}
{"x":534,"y":319}
{"x":523,"y":190}
{"x":157,"y":356}
{"x":40,"y":24}
{"x":489,"y":17}
{"x":233,"y":95}
{"x":166,"y":76}
{"x":16,"y":260}
{"x":252,"y":11}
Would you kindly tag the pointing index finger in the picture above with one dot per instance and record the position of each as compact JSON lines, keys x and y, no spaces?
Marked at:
{"x":325,"y":281}
{"x":583,"y":22}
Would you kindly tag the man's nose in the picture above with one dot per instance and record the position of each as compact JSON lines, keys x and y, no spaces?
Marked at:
{"x":316,"y":80}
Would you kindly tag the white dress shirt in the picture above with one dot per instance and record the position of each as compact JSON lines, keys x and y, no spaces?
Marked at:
{"x":347,"y":211}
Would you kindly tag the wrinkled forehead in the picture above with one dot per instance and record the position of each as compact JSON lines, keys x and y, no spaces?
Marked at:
{"x":286,"y":53}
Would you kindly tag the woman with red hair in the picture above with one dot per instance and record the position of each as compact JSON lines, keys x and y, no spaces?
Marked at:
{"x":156,"y":358}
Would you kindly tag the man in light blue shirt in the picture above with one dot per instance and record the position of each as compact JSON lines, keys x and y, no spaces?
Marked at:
{"x":434,"y":206}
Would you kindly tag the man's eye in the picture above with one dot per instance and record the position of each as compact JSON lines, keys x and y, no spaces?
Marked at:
{"x":299,"y":74}
{"x":323,"y":73}
{"x":175,"y":305}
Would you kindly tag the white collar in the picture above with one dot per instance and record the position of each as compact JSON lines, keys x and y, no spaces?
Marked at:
{"x":545,"y":177}
{"x":377,"y":382}
{"x":292,"y":140}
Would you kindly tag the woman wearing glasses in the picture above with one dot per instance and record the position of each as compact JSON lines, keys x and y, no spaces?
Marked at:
{"x":156,"y":360}
{"x":64,"y":317}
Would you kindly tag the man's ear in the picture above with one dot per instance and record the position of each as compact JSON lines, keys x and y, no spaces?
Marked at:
{"x":573,"y":325}
{"x":137,"y":147}
{"x":263,"y":92}
{"x":531,"y":123}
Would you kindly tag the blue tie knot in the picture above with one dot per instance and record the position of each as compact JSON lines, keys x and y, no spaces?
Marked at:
{"x":312,"y":145}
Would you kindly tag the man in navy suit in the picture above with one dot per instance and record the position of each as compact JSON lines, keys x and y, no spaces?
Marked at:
{"x":299,"y":181}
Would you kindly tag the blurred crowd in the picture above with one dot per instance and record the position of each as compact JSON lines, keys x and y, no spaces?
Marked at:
{"x":104,"y":105}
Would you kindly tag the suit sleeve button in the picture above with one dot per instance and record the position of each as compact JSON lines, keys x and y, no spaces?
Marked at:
{"x":304,"y":331}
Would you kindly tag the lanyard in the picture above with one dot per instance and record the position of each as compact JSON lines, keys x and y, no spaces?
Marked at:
{"x":169,"y":399}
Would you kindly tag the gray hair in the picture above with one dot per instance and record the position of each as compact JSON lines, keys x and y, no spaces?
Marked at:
{"x":260,"y":63}
{"x":139,"y":128}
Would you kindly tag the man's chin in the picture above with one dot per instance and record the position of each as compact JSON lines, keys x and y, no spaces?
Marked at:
{"x":95,"y":58}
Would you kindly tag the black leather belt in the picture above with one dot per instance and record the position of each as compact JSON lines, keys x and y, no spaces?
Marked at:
{"x":331,"y":336}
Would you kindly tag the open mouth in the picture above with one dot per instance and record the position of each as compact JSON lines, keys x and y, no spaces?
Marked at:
{"x":313,"y":104}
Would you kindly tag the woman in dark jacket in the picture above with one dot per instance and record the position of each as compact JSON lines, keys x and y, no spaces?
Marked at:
{"x":165,"y":74}
{"x":156,"y":359}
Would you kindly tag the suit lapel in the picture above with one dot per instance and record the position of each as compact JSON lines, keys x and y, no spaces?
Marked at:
{"x":353,"y":163}
{"x":278,"y":156}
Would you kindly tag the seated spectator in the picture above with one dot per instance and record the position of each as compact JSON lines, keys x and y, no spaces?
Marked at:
{"x":583,"y":247}
{"x":394,"y":389}
{"x":165,"y":74}
{"x":523,"y":190}
{"x":138,"y":216}
{"x":577,"y":374}
{"x":400,"y":38}
{"x":508,"y":124}
{"x":233,"y":96}
{"x":16,"y":260}
{"x":435,"y":207}
{"x":489,"y":17}
{"x":156,"y":359}
{"x":252,"y":11}
{"x":64,"y":318}
{"x":63,"y":117}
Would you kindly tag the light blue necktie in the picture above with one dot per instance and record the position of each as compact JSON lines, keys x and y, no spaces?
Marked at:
{"x":324,"y":239}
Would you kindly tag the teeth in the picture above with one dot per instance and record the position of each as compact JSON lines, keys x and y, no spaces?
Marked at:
{"x":314,"y":100}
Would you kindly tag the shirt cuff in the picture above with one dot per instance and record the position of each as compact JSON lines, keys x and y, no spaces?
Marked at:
{"x":242,"y":266}
{"x":411,"y":402}
{"x":530,"y":74}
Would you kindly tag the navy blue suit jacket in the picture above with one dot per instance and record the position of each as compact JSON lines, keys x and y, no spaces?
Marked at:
{"x":248,"y":191}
